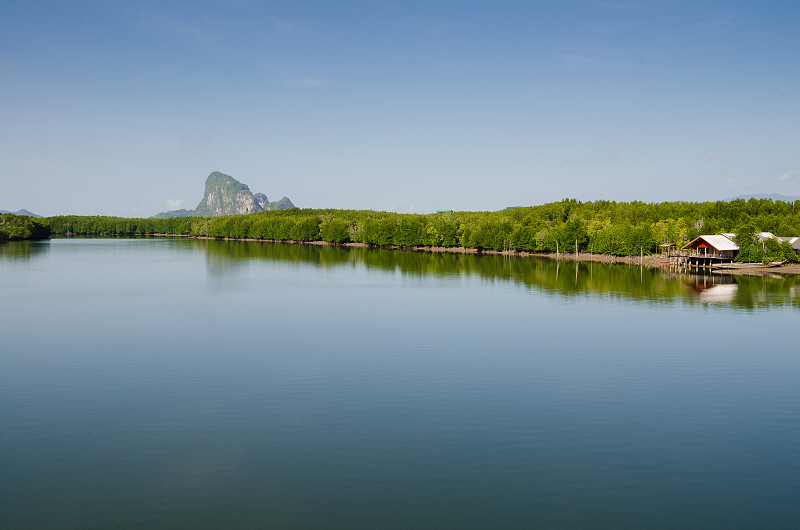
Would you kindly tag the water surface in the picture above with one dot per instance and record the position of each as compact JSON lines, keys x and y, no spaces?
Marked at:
{"x":174,"y":383}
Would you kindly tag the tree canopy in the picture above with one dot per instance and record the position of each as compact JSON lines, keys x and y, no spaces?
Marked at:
{"x":605,"y":227}
{"x":18,"y":227}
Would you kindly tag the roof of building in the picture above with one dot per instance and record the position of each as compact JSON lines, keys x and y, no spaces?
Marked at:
{"x":794,"y":241}
{"x":719,"y":242}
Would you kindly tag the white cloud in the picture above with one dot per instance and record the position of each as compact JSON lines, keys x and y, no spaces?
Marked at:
{"x":789,"y":175}
{"x":198,"y":141}
{"x":194,"y":32}
{"x":617,"y":5}
{"x":167,"y":23}
{"x":574,"y":60}
{"x":429,"y":26}
{"x":303,"y":82}
{"x":730,"y":183}
{"x":287,"y":28}
{"x":174,"y":204}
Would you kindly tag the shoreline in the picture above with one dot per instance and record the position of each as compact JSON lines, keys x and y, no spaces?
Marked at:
{"x":651,"y":261}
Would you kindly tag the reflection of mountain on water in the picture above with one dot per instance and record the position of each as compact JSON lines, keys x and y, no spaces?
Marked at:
{"x":564,"y":278}
{"x":23,"y":250}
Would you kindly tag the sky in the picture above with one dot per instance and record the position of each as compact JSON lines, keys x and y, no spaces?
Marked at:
{"x":123,"y":107}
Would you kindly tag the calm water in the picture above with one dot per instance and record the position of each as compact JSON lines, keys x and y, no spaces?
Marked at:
{"x":172,"y":383}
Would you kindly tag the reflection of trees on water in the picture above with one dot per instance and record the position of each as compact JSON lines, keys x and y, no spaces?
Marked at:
{"x":23,"y":250}
{"x":221,"y":264}
{"x":745,"y":291}
{"x":565,"y":278}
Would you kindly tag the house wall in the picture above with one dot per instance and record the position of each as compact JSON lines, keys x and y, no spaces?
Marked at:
{"x":710,"y":251}
{"x":714,"y":253}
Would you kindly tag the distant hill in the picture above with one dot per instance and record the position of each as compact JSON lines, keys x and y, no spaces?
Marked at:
{"x":224,"y":195}
{"x":177,"y":213}
{"x":22,"y":212}
{"x":773,"y":196}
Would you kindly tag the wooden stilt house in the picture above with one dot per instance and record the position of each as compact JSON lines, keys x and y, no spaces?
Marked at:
{"x":712,"y":249}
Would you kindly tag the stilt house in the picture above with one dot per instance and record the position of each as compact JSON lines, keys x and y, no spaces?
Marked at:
{"x":718,"y":246}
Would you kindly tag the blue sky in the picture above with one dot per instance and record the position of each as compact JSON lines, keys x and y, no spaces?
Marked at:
{"x":119,"y":107}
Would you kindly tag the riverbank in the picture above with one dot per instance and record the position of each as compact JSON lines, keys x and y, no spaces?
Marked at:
{"x":737,"y":269}
{"x":646,"y":261}
{"x":653,"y":261}
{"x":776,"y":271}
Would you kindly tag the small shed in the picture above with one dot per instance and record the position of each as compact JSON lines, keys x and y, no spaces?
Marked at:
{"x":668,"y":247}
{"x":713,"y":246}
{"x":794,"y":241}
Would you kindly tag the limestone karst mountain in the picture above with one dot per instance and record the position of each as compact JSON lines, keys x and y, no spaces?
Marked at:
{"x":224,"y":195}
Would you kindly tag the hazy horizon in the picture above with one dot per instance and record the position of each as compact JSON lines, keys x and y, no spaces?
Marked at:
{"x":124,"y":108}
{"x":772,"y":196}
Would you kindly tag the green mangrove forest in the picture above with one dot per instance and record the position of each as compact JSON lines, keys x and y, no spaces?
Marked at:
{"x":22,"y":227}
{"x":602,"y":227}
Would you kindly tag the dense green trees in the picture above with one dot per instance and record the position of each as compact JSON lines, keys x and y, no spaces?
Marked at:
{"x":604,"y":227}
{"x":751,"y":249}
{"x":18,"y":227}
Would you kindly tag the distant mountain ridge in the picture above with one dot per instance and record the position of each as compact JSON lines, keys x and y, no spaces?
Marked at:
{"x":224,"y":195}
{"x":773,"y":196}
{"x":22,"y":212}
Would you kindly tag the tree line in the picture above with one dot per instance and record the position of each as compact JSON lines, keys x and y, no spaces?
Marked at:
{"x":20,"y":227}
{"x":603,"y":227}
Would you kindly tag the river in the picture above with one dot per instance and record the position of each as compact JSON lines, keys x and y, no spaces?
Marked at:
{"x":178,"y":383}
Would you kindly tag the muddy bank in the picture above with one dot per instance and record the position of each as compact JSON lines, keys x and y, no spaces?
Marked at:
{"x":774,"y":272}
